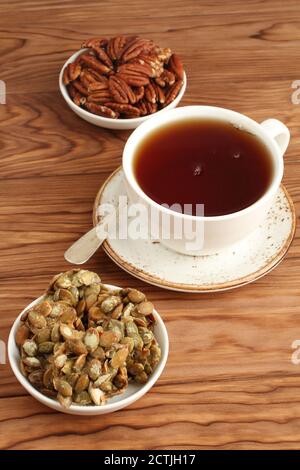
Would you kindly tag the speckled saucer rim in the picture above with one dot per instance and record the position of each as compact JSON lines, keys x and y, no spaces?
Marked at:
{"x":195,"y":288}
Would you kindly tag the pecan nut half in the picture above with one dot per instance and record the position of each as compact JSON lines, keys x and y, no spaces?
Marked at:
{"x":173,"y":92}
{"x":76,"y":96}
{"x":163,"y":54}
{"x":153,"y":61}
{"x":115,"y":47}
{"x":123,"y":108}
{"x":135,"y":48}
{"x":176,"y":66}
{"x":101,"y":110}
{"x":94,"y":42}
{"x":117,"y":88}
{"x":142,"y":107}
{"x":97,"y":86}
{"x":160,"y":94}
{"x":71,"y":72}
{"x":93,"y":63}
{"x":134,"y":79}
{"x":139,"y":93}
{"x":100,"y":96}
{"x":103,"y":56}
{"x":80,"y":87}
{"x":137,"y":68}
{"x":150,"y":93}
{"x":94,"y":76}
{"x":151,"y":107}
{"x":166,"y":78}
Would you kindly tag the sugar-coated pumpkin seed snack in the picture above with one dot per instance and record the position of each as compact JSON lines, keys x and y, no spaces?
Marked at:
{"x":84,"y":343}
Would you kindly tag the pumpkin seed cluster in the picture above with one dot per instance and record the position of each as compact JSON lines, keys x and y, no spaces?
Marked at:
{"x":84,"y":342}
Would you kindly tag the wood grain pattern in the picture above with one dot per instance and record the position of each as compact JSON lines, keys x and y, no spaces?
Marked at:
{"x":229,"y":381}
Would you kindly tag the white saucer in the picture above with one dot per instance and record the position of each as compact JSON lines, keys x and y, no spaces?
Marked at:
{"x":243,"y":263}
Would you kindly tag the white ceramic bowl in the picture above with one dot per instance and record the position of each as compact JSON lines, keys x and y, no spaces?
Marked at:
{"x":131,"y":394}
{"x":107,"y":122}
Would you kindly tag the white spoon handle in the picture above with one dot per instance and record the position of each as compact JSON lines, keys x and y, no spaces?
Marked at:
{"x":84,"y":248}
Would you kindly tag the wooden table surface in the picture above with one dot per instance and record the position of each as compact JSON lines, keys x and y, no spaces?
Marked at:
{"x":229,"y":381}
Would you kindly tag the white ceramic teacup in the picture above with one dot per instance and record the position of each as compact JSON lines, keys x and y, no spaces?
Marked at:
{"x":221,"y":231}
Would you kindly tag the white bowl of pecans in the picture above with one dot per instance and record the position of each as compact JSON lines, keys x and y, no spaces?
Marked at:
{"x":88,"y":348}
{"x":119,"y":83}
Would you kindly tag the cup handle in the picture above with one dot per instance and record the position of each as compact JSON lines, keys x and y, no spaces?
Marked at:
{"x":279,"y":132}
